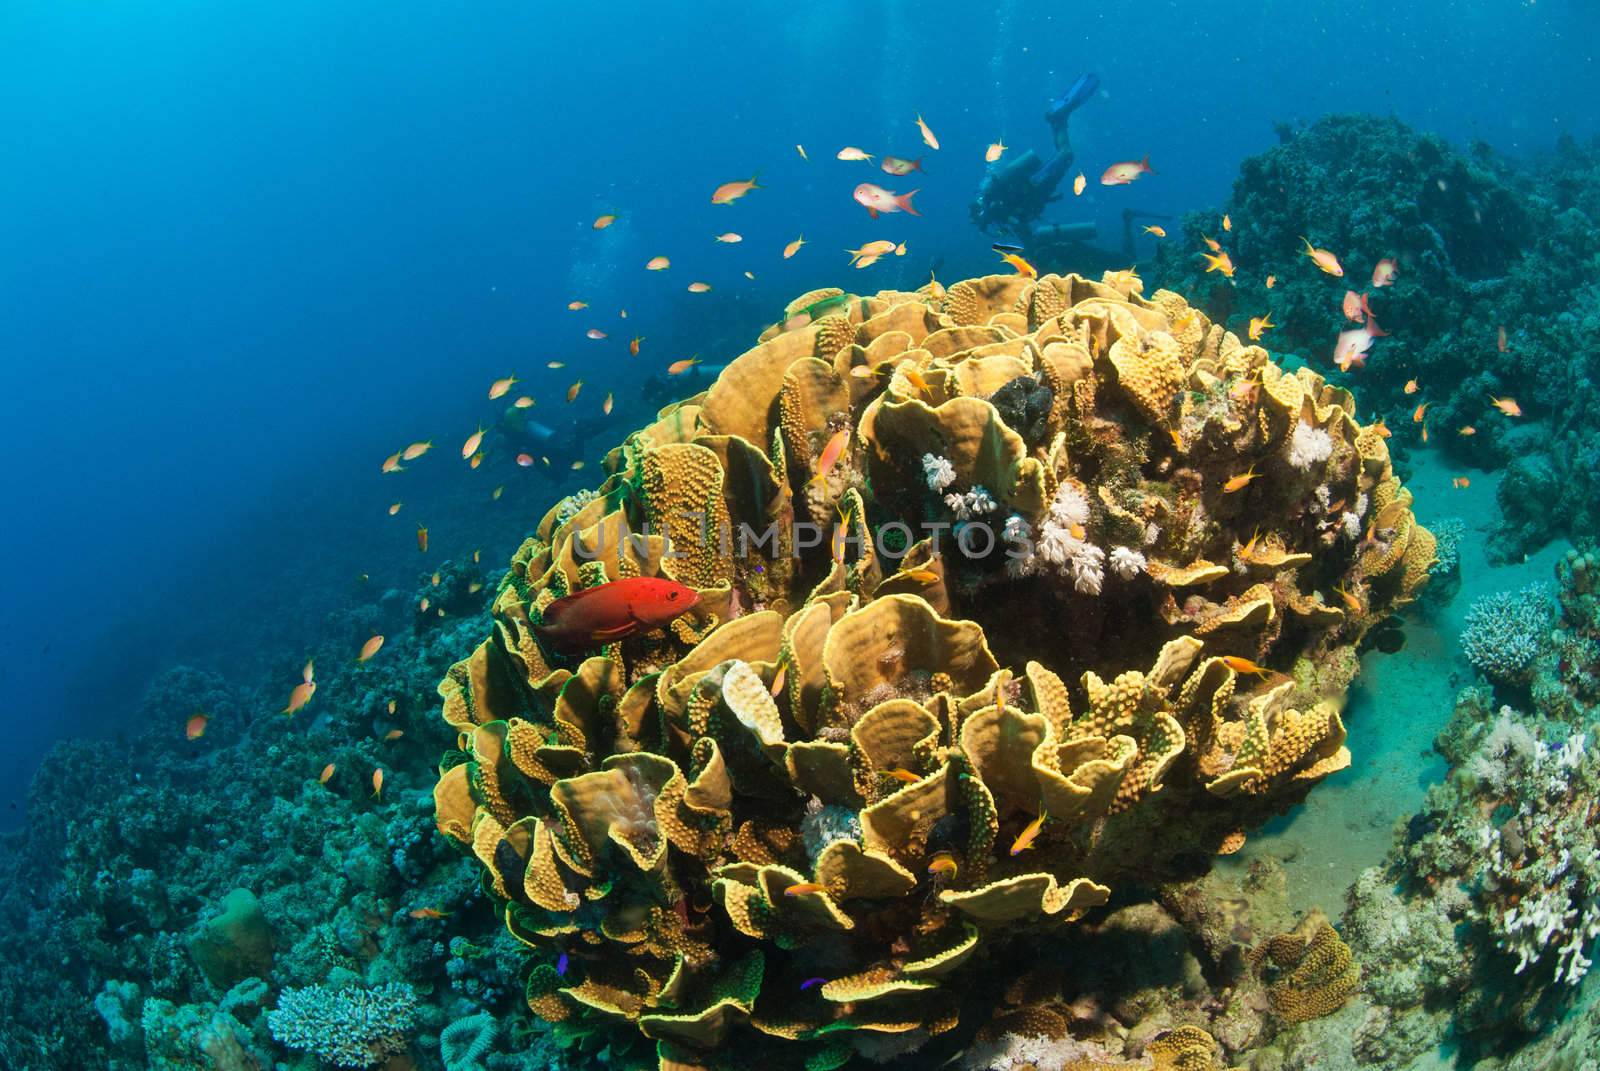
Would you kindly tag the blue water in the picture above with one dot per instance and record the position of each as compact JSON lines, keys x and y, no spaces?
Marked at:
{"x":247,"y":251}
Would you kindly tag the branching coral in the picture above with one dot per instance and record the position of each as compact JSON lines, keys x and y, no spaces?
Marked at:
{"x":788,"y":824}
{"x":1504,"y":631}
{"x":351,"y":1027}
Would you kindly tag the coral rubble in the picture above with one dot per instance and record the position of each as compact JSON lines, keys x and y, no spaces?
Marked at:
{"x":1075,"y":608}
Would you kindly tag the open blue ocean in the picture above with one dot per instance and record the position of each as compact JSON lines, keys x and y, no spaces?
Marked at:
{"x":708,"y":537}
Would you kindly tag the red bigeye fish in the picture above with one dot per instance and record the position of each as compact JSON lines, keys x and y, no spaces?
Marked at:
{"x":876,"y":199}
{"x":613,"y":611}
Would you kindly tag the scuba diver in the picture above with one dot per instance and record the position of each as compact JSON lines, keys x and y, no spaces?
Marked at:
{"x":1013,"y":196}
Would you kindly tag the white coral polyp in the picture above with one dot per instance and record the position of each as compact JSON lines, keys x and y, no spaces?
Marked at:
{"x":1309,"y":446}
{"x":1069,"y":506}
{"x":1126,"y":562}
{"x":938,"y":471}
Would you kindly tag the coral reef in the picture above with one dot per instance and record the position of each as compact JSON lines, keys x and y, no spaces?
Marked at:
{"x":1506,"y":849}
{"x":781,"y":824}
{"x":1482,"y":244}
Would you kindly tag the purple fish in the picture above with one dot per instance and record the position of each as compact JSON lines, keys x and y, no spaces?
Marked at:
{"x":561,"y":965}
{"x":809,"y":982}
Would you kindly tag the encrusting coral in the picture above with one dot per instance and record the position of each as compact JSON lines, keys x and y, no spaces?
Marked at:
{"x":787,"y":815}
{"x":1314,"y":971}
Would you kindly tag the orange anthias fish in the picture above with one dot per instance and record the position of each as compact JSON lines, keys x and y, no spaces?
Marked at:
{"x":524,"y":402}
{"x":470,"y":447}
{"x":377,"y":782}
{"x":308,"y":672}
{"x":1239,"y":482}
{"x":903,"y":775}
{"x":427,"y":913}
{"x":657,"y":264}
{"x":327,"y":772}
{"x":927,"y":135}
{"x":1260,"y":325}
{"x":993,"y":152}
{"x":613,"y":611}
{"x":1384,"y":271}
{"x":1500,"y":337}
{"x":943,"y":863}
{"x":1508,"y":406}
{"x":730,"y":236}
{"x":699,"y":288}
{"x":1120,"y":174}
{"x":871,"y":249}
{"x":394,"y":507}
{"x":1466,"y":429}
{"x":1323,"y":259}
{"x":1028,"y":835}
{"x":1242,"y":665}
{"x":1411,"y":386}
{"x":1159,"y":232}
{"x":633,"y":345}
{"x":1350,"y":599}
{"x":793,"y":247}
{"x":1353,"y":307}
{"x":195,"y":727}
{"x":677,"y":368}
{"x":1460,"y":482}
{"x":416,"y":450}
{"x":501,"y":387}
{"x":602,"y":222}
{"x":1227,"y":222}
{"x":801,"y":149}
{"x":1272,"y":281}
{"x":595,"y":333}
{"x":894,"y":165}
{"x":369,"y":648}
{"x":300,"y":696}
{"x":876,"y":199}
{"x":572,"y":391}
{"x":730,"y":192}
{"x":1080,"y":184}
{"x":605,"y":406}
{"x":1381,"y":428}
{"x":1221,"y":262}
{"x":850,"y":152}
{"x":392,"y":463}
{"x":805,"y":888}
{"x":778,"y":678}
{"x":1017,"y":262}
{"x":574,"y":306}
{"x":830,"y":455}
{"x":1211,"y":243}
{"x":393,"y":734}
{"x":422,"y":539}
{"x":1421,"y":411}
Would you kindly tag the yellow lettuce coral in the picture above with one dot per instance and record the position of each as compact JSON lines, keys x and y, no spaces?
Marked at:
{"x":1029,"y":638}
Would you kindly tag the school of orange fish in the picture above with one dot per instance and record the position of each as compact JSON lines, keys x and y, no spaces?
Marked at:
{"x":1350,"y":352}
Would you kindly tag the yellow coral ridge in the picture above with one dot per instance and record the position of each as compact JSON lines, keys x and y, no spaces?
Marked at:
{"x":1037,"y":643}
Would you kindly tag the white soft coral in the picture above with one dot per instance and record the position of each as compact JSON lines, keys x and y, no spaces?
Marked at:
{"x":938,"y":471}
{"x":1309,"y":446}
{"x":1126,"y":562}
